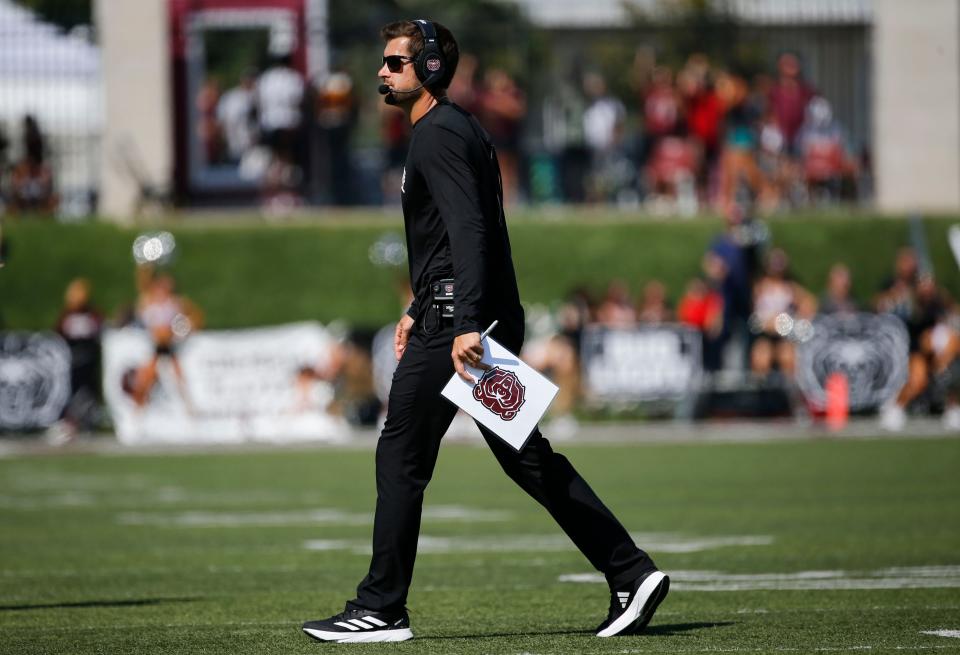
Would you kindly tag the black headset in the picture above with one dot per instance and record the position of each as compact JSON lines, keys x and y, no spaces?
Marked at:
{"x":430,"y":65}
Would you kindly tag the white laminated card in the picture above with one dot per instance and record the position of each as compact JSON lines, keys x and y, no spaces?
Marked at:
{"x":509,"y":398}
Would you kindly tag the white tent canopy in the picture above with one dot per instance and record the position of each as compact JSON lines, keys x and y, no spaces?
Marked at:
{"x":56,"y":78}
{"x":577,"y":14}
{"x":32,"y":48}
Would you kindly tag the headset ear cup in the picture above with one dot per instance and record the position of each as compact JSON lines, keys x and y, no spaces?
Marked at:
{"x":430,"y":65}
{"x":433,"y":69}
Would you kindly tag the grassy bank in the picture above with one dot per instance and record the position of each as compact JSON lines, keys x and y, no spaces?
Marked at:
{"x":246,"y":273}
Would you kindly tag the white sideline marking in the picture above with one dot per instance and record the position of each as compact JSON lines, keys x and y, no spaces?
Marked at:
{"x":920,"y":577}
{"x":942,"y":633}
{"x":27,"y":478}
{"x":516,"y":543}
{"x":788,"y":649}
{"x":325,"y":516}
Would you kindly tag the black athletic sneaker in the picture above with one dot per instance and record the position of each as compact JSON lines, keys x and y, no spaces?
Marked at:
{"x":355,"y":626}
{"x":632,"y":606}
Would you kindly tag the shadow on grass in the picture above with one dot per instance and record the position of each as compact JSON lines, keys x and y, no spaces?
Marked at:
{"x":654,"y":631}
{"x":668,"y":629}
{"x":134,"y":602}
{"x":494,"y":635}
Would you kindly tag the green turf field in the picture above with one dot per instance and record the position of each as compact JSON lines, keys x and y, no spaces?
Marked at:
{"x":815,"y":546}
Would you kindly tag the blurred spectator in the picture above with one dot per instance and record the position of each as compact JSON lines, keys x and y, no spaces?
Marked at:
{"x":503,"y":106}
{"x":701,"y":307}
{"x":575,"y":313}
{"x":280,"y":95}
{"x":824,"y":153}
{"x":731,"y":264}
{"x":837,"y":299}
{"x":616,"y":310}
{"x":789,"y":96}
{"x":774,"y":164}
{"x":603,"y":124}
{"x":209,"y":130}
{"x":31,"y":180}
{"x":336,"y":117}
{"x":4,"y":145}
{"x":563,"y":137}
{"x":661,"y":111}
{"x":758,"y":95}
{"x":934,"y":348}
{"x":704,"y":115}
{"x":653,"y":307}
{"x":169,"y":318}
{"x":34,"y":141}
{"x":897,"y":295}
{"x":237,"y":114}
{"x":557,"y":358}
{"x":739,"y":172}
{"x":80,"y":324}
{"x":778,"y":301}
{"x":670,"y":174}
{"x":464,"y":89}
{"x":4,"y":148}
{"x":350,"y":371}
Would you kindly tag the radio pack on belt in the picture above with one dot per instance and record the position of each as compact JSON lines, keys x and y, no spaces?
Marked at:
{"x":443,"y":297}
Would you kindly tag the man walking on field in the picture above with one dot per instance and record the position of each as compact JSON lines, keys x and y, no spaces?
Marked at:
{"x":456,"y":231}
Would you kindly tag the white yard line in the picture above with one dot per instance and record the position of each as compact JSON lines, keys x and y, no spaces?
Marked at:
{"x":520,"y":543}
{"x":920,"y":577}
{"x":788,"y":649}
{"x":322,"y":516}
{"x":954,"y":634}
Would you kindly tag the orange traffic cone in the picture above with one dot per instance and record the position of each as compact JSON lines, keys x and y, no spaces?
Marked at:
{"x":838,"y":401}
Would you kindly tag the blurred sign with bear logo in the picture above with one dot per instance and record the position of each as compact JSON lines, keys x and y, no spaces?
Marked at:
{"x":870,"y":350}
{"x":34,"y":379}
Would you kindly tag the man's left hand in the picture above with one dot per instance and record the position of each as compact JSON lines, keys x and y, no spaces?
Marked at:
{"x":468,"y":351}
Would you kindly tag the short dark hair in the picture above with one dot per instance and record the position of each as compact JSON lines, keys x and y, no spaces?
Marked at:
{"x":448,"y":45}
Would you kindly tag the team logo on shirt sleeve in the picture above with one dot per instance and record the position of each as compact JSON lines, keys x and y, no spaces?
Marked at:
{"x":501,"y":392}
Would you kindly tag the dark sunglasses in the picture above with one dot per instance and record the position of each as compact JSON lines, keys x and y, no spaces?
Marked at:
{"x":395,"y":62}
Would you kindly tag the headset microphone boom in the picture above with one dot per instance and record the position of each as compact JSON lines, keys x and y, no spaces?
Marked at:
{"x":389,"y":91}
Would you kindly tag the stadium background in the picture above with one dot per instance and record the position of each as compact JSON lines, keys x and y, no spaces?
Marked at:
{"x":647,"y":152}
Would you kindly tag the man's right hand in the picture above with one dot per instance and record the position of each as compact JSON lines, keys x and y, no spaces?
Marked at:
{"x":402,"y":335}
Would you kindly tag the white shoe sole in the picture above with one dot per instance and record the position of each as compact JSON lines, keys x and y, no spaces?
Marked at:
{"x":360,"y":637}
{"x":644,"y":604}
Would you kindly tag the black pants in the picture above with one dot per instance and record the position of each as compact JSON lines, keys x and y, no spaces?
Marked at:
{"x":417,"y":418}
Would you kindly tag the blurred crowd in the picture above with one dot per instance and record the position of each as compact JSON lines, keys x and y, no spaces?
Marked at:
{"x":289,"y":136}
{"x":26,"y":176}
{"x":690,"y":139}
{"x":752,"y":310}
{"x":699,"y":136}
